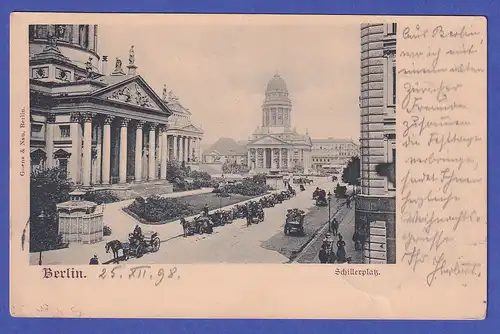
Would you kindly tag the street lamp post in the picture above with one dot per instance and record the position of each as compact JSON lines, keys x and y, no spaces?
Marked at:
{"x":41,"y":219}
{"x":329,"y":203}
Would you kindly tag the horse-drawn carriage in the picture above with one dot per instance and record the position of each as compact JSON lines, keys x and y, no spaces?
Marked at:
{"x":137,"y":245}
{"x":149,"y":242}
{"x":320,"y":196}
{"x":294,"y":221}
{"x":221,"y":218}
{"x":239,"y":211}
{"x":267,"y":202}
{"x":200,"y":224}
{"x":256,"y":215}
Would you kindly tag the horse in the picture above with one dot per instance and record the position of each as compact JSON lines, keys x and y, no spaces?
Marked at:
{"x":115,"y":246}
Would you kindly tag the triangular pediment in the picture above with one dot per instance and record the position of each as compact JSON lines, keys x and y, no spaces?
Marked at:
{"x":134,"y":91}
{"x":267,"y":140}
{"x":213,"y":152}
{"x":191,"y":128}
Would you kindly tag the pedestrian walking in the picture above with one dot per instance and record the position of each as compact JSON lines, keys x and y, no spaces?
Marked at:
{"x":94,"y":260}
{"x":184,"y":225}
{"x":335,"y":226}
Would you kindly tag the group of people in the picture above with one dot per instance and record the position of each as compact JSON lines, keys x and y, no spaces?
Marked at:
{"x":327,"y":253}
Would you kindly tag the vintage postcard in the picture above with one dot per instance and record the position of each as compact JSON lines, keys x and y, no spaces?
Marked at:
{"x":248,"y":166}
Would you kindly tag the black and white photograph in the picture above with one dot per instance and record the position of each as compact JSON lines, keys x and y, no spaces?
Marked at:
{"x":206,"y":143}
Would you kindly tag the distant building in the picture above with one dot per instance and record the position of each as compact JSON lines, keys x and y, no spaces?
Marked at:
{"x":275,"y":145}
{"x":331,"y":153}
{"x":225,"y":150}
{"x":376,"y":204}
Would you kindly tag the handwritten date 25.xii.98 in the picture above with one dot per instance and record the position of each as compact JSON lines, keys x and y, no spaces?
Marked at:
{"x":139,"y":272}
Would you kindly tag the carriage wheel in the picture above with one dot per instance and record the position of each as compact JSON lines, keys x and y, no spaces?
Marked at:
{"x":155,"y":245}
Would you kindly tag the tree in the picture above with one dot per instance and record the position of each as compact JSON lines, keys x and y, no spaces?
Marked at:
{"x":176,"y":172}
{"x":48,"y":187}
{"x":351,"y":173}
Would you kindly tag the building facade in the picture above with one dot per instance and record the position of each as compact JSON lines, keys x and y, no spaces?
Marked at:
{"x":226,"y":150}
{"x":331,"y":153}
{"x":376,"y":204}
{"x":183,"y":137}
{"x":100,"y":128}
{"x":275,"y":145}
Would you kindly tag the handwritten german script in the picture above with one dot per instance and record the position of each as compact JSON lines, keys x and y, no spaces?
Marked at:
{"x":442,"y":161}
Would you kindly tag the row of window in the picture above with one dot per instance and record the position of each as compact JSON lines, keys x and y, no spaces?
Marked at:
{"x":336,"y":147}
{"x":324,"y":159}
{"x":64,"y":130}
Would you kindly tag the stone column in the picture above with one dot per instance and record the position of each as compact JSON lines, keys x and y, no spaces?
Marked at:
{"x":98,"y":176}
{"x":49,"y":140}
{"x":273,"y":164}
{"x":174,"y":148}
{"x":76,"y":144}
{"x":264,"y":156}
{"x":198,"y":152}
{"x":152,"y":155}
{"x":289,"y":158}
{"x":87,"y":147}
{"x":181,"y":149}
{"x":123,"y":149}
{"x":158,"y":150}
{"x":138,"y":151}
{"x":106,"y":150}
{"x":249,"y":158}
{"x":280,"y":163}
{"x":188,"y":149}
{"x":164,"y":153}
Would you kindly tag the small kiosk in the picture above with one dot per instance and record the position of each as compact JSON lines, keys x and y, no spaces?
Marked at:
{"x":79,"y":221}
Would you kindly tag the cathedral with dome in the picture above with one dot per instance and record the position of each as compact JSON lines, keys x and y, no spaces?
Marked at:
{"x":276,"y":145}
{"x":101,"y":127}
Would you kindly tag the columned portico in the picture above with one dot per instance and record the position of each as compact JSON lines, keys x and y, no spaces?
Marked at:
{"x":86,"y":134}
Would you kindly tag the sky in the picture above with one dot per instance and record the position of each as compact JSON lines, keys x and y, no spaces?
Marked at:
{"x":220,"y":71}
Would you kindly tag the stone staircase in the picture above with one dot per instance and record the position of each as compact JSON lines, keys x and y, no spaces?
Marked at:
{"x":133,"y":190}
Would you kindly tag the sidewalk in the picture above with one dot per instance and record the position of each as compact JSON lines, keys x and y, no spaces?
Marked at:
{"x":345,"y":218}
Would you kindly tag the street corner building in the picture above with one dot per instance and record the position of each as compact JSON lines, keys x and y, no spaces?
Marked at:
{"x":103,"y":129}
{"x":376,"y":204}
{"x":275,"y":145}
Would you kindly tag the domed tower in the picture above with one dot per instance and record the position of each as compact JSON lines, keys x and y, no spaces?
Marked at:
{"x":277,"y":107}
{"x":78,"y":42}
